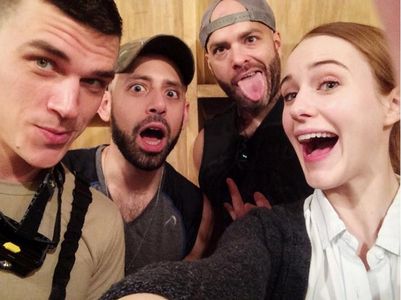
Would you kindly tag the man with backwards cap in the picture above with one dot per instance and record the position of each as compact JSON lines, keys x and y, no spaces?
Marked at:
{"x":247,"y":142}
{"x":146,"y":105}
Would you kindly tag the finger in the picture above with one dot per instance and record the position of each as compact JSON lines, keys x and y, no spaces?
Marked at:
{"x":230,"y":210}
{"x":248,"y":207}
{"x":261,"y":200}
{"x":236,"y":198}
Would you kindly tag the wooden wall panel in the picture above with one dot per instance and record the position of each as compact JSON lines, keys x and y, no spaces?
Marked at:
{"x":182,"y":18}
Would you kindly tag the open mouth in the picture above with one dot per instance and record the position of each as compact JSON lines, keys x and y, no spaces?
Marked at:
{"x":152,"y":135}
{"x":317,"y":143}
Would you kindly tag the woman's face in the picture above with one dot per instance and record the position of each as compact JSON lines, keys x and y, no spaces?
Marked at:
{"x":333,"y":114}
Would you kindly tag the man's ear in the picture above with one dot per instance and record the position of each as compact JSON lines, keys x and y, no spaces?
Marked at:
{"x":392,"y":107}
{"x":208,"y":63}
{"x":186,"y":114}
{"x":277,"y":42}
{"x":105,"y":107}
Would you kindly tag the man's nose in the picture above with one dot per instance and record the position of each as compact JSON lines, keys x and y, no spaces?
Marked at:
{"x":65,"y":98}
{"x":239,"y":56}
{"x":157,"y":103}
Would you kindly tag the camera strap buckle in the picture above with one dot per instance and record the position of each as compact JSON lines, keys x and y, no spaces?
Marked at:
{"x":22,"y":247}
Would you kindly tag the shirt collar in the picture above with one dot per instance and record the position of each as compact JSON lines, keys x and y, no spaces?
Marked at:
{"x":328,"y":223}
{"x":330,"y":226}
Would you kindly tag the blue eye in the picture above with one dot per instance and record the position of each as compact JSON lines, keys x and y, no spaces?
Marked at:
{"x":44,"y":63}
{"x":329,"y":85}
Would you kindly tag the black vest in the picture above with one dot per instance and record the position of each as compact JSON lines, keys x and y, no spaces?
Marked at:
{"x":266,"y":162}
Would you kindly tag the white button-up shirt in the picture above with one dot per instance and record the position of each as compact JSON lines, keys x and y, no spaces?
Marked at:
{"x":336,"y":271}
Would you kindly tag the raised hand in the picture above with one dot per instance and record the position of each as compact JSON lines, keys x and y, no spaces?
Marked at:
{"x":238,"y":208}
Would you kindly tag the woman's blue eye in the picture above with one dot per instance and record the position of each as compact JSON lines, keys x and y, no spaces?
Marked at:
{"x":329,"y":85}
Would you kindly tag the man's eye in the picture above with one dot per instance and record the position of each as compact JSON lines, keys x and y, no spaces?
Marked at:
{"x":137,"y":88}
{"x":44,"y":63}
{"x":218,"y":50}
{"x":251,"y":39}
{"x":172,"y":94}
{"x":94,"y":82}
{"x":94,"y":85}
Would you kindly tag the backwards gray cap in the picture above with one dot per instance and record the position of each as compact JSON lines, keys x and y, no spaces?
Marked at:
{"x":166,"y":45}
{"x":256,"y":10}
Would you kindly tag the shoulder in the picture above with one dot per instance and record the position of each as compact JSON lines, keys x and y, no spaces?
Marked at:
{"x":221,"y":136}
{"x":173,"y":176}
{"x":198,"y":148}
{"x":182,"y":191}
{"x":176,"y":183}
{"x":82,"y":162}
{"x":79,"y":160}
{"x":222,"y":121}
{"x":78,"y":156}
{"x":185,"y":195}
{"x":100,"y":254}
{"x":101,"y":208}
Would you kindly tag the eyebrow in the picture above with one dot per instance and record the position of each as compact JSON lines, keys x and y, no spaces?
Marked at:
{"x":241,"y":36}
{"x":175,"y":83}
{"x":217,"y":45}
{"x":327,"y":61}
{"x":42,"y":45}
{"x":53,"y":51}
{"x":314,"y":65}
{"x":104,"y":74}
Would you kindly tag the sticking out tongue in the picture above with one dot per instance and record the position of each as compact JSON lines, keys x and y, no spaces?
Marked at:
{"x":253,"y":87}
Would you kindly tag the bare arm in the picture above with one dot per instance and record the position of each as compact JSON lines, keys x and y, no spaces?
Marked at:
{"x":204,"y":232}
{"x":206,"y":226}
{"x":198,"y":149}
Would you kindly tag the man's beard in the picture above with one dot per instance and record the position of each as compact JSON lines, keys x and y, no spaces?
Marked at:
{"x":133,"y":153}
{"x":273,"y":74}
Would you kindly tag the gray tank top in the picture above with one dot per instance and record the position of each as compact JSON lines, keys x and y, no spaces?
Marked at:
{"x":157,"y":234}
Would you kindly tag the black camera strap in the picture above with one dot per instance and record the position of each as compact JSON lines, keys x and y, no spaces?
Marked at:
{"x":82,"y":197}
{"x":32,"y":218}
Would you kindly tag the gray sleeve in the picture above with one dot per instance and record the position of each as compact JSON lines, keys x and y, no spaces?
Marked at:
{"x":239,"y":269}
